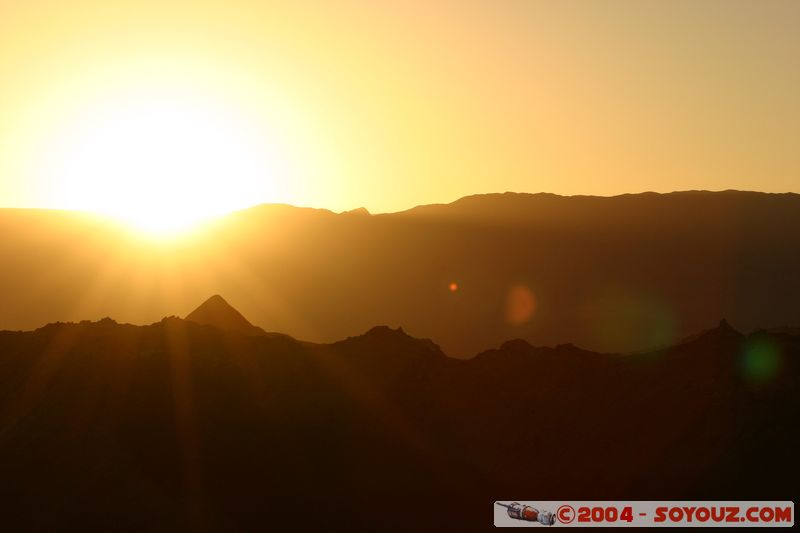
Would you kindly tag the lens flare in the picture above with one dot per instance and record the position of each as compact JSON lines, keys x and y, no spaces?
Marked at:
{"x":761,"y":361}
{"x":520,"y":305}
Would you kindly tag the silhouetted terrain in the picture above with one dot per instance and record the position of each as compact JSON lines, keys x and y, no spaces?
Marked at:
{"x":615,"y":274}
{"x":217,"y":312}
{"x":178,"y":425}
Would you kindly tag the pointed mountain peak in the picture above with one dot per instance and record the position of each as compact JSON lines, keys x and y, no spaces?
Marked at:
{"x":723,"y":331}
{"x":220,"y":314}
{"x":724,"y":328}
{"x":724,"y":325}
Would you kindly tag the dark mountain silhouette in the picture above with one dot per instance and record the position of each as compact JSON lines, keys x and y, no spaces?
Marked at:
{"x":613,"y":274}
{"x":180,"y":426}
{"x":218,"y":313}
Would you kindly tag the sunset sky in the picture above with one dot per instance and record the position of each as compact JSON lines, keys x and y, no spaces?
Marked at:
{"x":220,"y":105}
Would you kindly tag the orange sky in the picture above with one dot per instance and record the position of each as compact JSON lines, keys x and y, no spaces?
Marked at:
{"x":388,"y":105}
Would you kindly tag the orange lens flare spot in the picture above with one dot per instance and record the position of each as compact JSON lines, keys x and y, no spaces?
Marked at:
{"x":520,"y":305}
{"x":453,"y":287}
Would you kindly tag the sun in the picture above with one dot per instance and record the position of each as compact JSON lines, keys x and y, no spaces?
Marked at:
{"x":164,"y":160}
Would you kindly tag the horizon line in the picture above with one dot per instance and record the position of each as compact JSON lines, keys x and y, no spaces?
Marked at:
{"x":94,"y":212}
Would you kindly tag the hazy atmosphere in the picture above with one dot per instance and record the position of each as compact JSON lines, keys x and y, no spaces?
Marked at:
{"x":391,"y":105}
{"x":398,"y":265}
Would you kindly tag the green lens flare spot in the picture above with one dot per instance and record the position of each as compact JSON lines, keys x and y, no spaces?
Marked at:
{"x":761,"y":361}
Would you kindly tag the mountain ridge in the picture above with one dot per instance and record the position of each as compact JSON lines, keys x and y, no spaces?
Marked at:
{"x":130,"y":412}
{"x":611,"y":274}
{"x":383,"y":335}
{"x":278,"y":206}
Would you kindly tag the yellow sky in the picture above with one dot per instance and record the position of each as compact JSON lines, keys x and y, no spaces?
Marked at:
{"x":393,"y":104}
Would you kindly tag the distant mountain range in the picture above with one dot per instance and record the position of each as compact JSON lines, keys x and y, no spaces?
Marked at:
{"x":215,"y":426}
{"x":612,"y":274}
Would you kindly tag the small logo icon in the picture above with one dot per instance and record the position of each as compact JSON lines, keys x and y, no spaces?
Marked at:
{"x":518,"y":511}
{"x":565,"y":514}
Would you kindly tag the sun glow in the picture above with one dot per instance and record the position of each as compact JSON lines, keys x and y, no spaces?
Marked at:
{"x":164,"y":160}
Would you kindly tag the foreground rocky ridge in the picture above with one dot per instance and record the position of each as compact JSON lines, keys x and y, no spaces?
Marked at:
{"x":178,"y":425}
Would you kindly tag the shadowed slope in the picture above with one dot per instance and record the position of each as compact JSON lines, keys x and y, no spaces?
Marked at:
{"x":178,"y":426}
